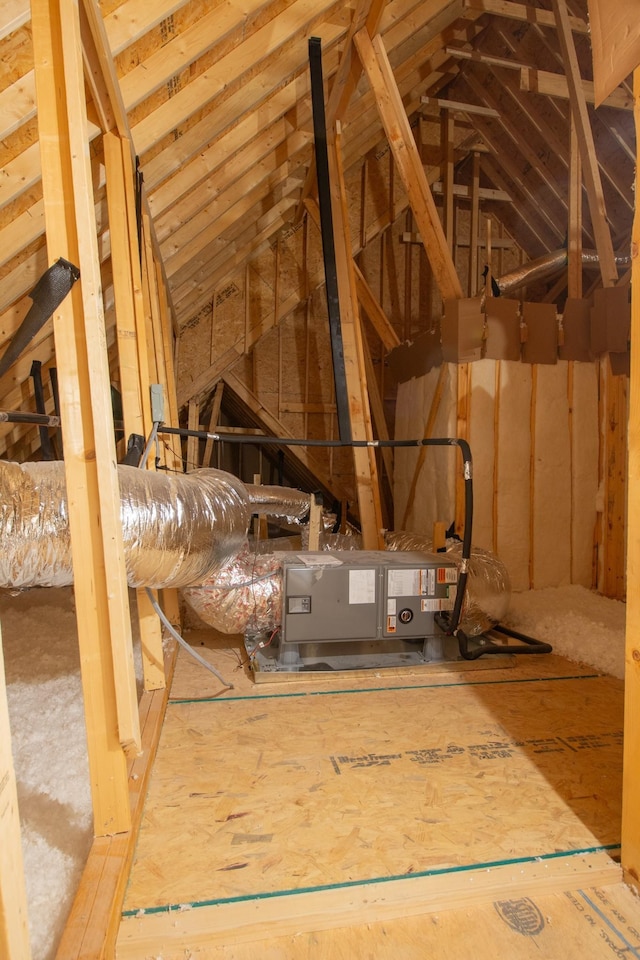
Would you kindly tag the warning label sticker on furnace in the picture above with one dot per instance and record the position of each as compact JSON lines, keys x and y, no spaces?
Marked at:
{"x":391,"y":624}
{"x":391,"y":606}
{"x":447,"y":574}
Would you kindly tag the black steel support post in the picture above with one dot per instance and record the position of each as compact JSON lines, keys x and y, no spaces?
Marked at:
{"x":328,"y":246}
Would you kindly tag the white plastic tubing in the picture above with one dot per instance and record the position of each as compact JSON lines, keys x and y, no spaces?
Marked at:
{"x":178,"y":529}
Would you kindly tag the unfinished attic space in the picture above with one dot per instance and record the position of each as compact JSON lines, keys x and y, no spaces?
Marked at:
{"x":320,"y":461}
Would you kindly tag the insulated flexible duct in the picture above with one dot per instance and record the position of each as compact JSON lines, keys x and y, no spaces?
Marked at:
{"x":177,"y":529}
{"x":286,"y":503}
{"x":547,"y":266}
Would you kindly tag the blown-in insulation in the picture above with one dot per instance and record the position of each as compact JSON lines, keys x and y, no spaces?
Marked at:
{"x":178,"y":529}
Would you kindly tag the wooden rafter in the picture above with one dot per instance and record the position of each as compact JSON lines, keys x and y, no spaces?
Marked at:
{"x":604,"y":246}
{"x":396,"y":124}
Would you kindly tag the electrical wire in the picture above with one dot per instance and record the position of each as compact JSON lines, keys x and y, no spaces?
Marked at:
{"x":147,"y":449}
{"x":183,"y":643}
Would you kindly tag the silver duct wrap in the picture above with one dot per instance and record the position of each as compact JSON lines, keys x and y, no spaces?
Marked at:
{"x":547,"y":266}
{"x":177,"y":529}
{"x":244,"y":597}
{"x":488,"y":585}
{"x":284,"y":502}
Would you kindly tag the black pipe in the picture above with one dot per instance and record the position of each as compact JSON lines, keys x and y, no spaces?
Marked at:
{"x":326,"y":229}
{"x":38,"y":392}
{"x":47,"y":295}
{"x":486,"y":646}
{"x":18,"y":416}
{"x":53,"y":376}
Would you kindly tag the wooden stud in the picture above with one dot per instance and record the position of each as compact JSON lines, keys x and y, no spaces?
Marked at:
{"x":574,"y":238}
{"x":366,"y":470}
{"x":377,"y":409}
{"x":447,"y":133}
{"x":496,"y":457}
{"x":532,"y":473}
{"x":574,"y":289}
{"x":193,"y":458}
{"x":213,"y":423}
{"x":152,"y":310}
{"x":615,"y":486}
{"x":463,"y":371}
{"x":630,"y":779}
{"x":473,"y":226}
{"x":315,"y":520}
{"x":406,"y":317}
{"x":102,"y":607}
{"x":374,"y":311}
{"x":428,"y":430}
{"x":132,"y":349}
{"x":439,"y":538}
{"x":14,"y":918}
{"x":121,"y":262}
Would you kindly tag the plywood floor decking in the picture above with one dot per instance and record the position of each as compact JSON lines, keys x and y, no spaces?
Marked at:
{"x":277,"y":811}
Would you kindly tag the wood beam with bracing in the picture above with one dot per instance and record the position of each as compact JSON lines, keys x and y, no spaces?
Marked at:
{"x":591,"y":172}
{"x":102,"y":607}
{"x":396,"y":124}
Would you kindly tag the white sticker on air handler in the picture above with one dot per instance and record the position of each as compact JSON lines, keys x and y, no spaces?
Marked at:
{"x":391,"y":606}
{"x":362,"y":586}
{"x":404,"y":583}
{"x":430,"y":606}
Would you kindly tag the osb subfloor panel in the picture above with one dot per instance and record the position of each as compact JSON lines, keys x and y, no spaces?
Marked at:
{"x":595,"y":923}
{"x":308,"y":804}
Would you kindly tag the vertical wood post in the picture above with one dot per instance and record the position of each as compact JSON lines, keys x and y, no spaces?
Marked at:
{"x":446,"y":150}
{"x":472,"y":283}
{"x":132,"y":352}
{"x":366,"y":469}
{"x":631,"y":777}
{"x":14,"y":920}
{"x":102,"y":609}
